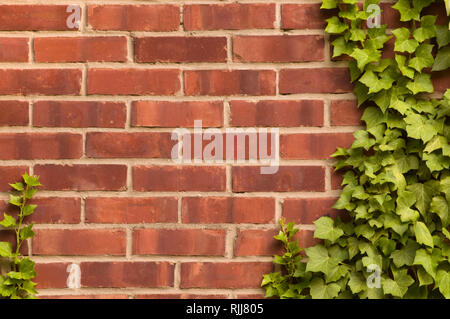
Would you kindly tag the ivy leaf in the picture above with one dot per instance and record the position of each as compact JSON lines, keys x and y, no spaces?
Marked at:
{"x":8,"y":221}
{"x":424,"y":278}
{"x":325,"y":229}
{"x":419,"y":128}
{"x":402,"y":41}
{"x":329,"y":4}
{"x":365,"y":56}
{"x":15,"y":200}
{"x":340,"y":47}
{"x":443,"y":280}
{"x":28,"y":210}
{"x":401,"y":61}
{"x":357,"y":282}
{"x":404,"y":201}
{"x":405,"y":255}
{"x":421,"y":83}
{"x":428,"y":261}
{"x":17,"y":186}
{"x":31,"y":181}
{"x":399,"y":286}
{"x":440,"y":207}
{"x":375,"y":84}
{"x":423,"y":194}
{"x":442,"y":35}
{"x":363,"y":140}
{"x":335,"y":25}
{"x":427,"y":28}
{"x":442,"y":59}
{"x":423,"y":235}
{"x":26,"y":232}
{"x":407,"y":13}
{"x":423,"y":57}
{"x":5,"y":249}
{"x":319,"y":260}
{"x":320,"y":290}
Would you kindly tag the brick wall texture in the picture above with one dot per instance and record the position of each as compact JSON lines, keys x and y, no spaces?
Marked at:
{"x":91,"y":110}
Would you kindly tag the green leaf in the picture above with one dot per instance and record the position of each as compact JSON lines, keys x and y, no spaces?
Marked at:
{"x":365,"y":56}
{"x":357,"y":282}
{"x":442,"y":59}
{"x":320,"y":290}
{"x":428,"y":262}
{"x":399,"y":286}
{"x":329,"y":4}
{"x":418,"y":127}
{"x":5,"y":249}
{"x":443,"y":281}
{"x":319,"y":260}
{"x":423,"y":194}
{"x":403,"y":43}
{"x":27,"y":232}
{"x":340,"y":47}
{"x":407,"y":12}
{"x":15,"y":200}
{"x":423,"y":57}
{"x":423,"y":235}
{"x":31,"y":181}
{"x":17,"y":186}
{"x":401,"y":61}
{"x":424,"y":278}
{"x":28,"y":210}
{"x":335,"y":25}
{"x":440,"y":207}
{"x":405,"y":255}
{"x":442,"y":35}
{"x":421,"y":83}
{"x":375,"y":84}
{"x":325,"y":229}
{"x":8,"y":221}
{"x":427,"y":28}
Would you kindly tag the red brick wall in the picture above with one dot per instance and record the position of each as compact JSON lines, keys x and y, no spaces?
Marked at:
{"x":92,"y":110}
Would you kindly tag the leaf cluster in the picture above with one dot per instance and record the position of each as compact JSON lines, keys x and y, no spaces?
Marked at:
{"x":16,"y":282}
{"x":396,"y":185}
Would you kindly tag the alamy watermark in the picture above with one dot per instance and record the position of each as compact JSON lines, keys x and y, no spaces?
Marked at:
{"x":231,"y":145}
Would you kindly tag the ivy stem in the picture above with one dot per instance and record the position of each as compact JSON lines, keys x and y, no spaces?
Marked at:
{"x":18,"y":241}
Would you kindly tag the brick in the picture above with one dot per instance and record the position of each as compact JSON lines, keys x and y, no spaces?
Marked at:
{"x":336,"y":178}
{"x":51,"y":275}
{"x":232,"y":16}
{"x":84,"y":242}
{"x":11,"y":174}
{"x":345,"y":112}
{"x":306,"y":80}
{"x":184,"y":242}
{"x":127,"y":274}
{"x":180,"y":49}
{"x":176,"y":114}
{"x":250,"y":296}
{"x":313,"y":145}
{"x":50,"y":210}
{"x":80,"y":49}
{"x":133,"y":81}
{"x":305,"y":239}
{"x":96,"y":296}
{"x":178,"y":178}
{"x":225,"y":275}
{"x":40,"y":82}
{"x":437,"y":9}
{"x":13,"y":113}
{"x":307,"y":210}
{"x":238,"y":210}
{"x":277,"y":113}
{"x":289,"y":48}
{"x":257,"y":242}
{"x":129,"y":145}
{"x":13,"y":49}
{"x":34,"y":17}
{"x":134,"y":17}
{"x":180,"y":296}
{"x":128,"y":210}
{"x":79,"y":114}
{"x":16,"y":146}
{"x":234,"y":82}
{"x":287,"y":179}
{"x":303,"y":16}
{"x":82,"y":177}
{"x":441,"y":81}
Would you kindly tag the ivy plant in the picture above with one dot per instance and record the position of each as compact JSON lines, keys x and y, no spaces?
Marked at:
{"x":395,"y":239}
{"x":16,"y":282}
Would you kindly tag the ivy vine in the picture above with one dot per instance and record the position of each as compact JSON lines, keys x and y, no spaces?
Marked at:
{"x":396,"y":174}
{"x":16,"y":281}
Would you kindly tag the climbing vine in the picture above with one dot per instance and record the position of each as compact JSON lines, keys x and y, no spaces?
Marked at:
{"x":16,"y":282}
{"x":395,"y":242}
